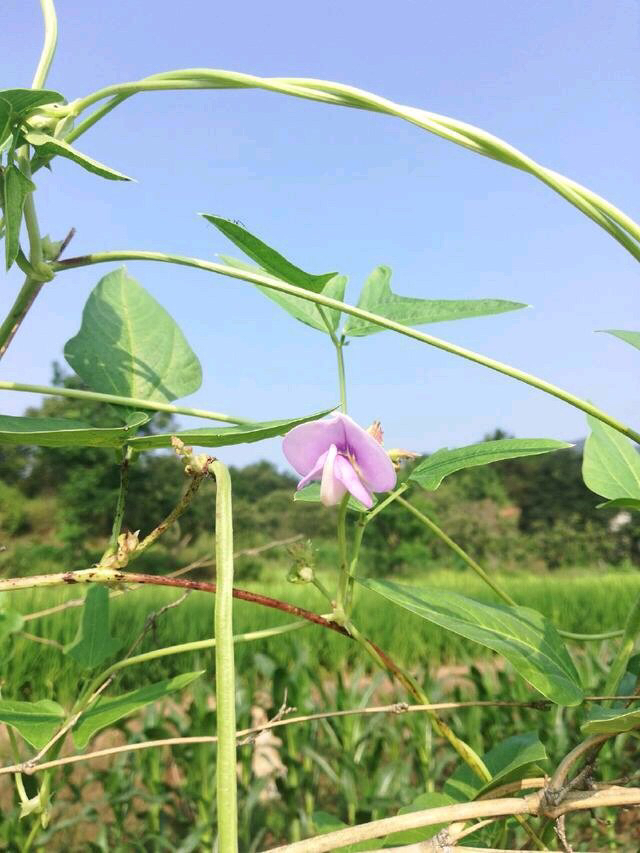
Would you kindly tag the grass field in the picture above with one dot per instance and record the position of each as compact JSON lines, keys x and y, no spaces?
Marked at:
{"x":356,"y":769}
{"x":592,"y":602}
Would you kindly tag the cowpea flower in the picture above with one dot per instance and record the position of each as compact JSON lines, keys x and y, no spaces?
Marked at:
{"x":343,"y":456}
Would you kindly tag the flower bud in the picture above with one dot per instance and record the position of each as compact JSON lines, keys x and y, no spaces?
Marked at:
{"x":301,"y":574}
{"x":375,"y":430}
{"x":51,"y":248}
{"x":398,"y":457}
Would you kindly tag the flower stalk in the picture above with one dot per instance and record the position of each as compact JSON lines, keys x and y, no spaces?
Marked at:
{"x":118,"y":518}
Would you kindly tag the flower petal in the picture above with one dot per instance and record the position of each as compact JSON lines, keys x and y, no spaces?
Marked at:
{"x":304,"y":444}
{"x":345,"y":472}
{"x":371,"y":458}
{"x":314,"y":474}
{"x":331,"y":489}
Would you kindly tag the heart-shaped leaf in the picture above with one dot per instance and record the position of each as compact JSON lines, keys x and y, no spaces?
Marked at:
{"x":432,"y":470}
{"x":378,"y":298}
{"x":524,"y":637}
{"x":130,"y":346}
{"x":611,"y":720}
{"x":223,"y":436}
{"x":510,"y":759}
{"x":16,"y":187}
{"x":107,"y":711}
{"x":49,"y":146}
{"x":63,"y":432}
{"x":93,"y":643}
{"x":270,"y":260}
{"x":37,"y":722}
{"x":303,"y":310}
{"x":632,"y":338}
{"x":610,"y":464}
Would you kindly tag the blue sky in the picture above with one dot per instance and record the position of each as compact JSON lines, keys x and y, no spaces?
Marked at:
{"x":343,"y":189}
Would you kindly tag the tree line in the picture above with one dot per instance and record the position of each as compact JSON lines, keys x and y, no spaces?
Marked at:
{"x":533,"y":513}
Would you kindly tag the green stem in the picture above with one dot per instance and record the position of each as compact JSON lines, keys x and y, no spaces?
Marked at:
{"x":619,"y":665}
{"x":605,"y":635}
{"x":38,"y":162}
{"x":30,"y":216}
{"x":32,"y":286}
{"x":181,"y":507}
{"x":88,"y":123}
{"x":477,"y":568}
{"x":194,"y":646}
{"x":343,"y":579}
{"x":35,"y":828}
{"x":23,"y":302}
{"x":49,"y":47}
{"x":616,"y":223}
{"x":115,"y":400}
{"x":112,"y":547}
{"x":339,"y":345}
{"x":321,"y":299}
{"x":324,"y":592}
{"x":22,"y":794}
{"x":391,"y":497}
{"x":361,"y":526}
{"x":226,"y":780}
{"x":466,"y":753}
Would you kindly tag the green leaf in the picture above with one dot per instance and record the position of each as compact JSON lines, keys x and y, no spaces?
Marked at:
{"x":311,"y":494}
{"x":16,"y":187}
{"x":432,"y":800}
{"x":130,"y":346}
{"x":223,"y":436}
{"x":5,"y":119}
{"x":621,"y":503}
{"x":633,"y":665}
{"x":37,"y":722}
{"x":432,"y":471}
{"x":93,"y":643}
{"x":524,"y":637}
{"x":10,"y":622}
{"x":610,"y":463}
{"x":378,"y":298}
{"x":632,"y":338}
{"x":63,"y":432}
{"x":325,"y":822}
{"x":270,"y":260}
{"x":511,"y":759}
{"x":107,"y":711}
{"x":611,"y":720}
{"x":301,"y":309}
{"x":48,"y":146}
{"x":23,"y":101}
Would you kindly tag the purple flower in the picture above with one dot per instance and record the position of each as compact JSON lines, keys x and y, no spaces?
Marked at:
{"x":343,"y":456}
